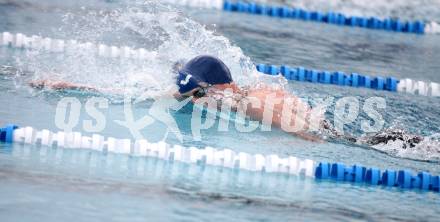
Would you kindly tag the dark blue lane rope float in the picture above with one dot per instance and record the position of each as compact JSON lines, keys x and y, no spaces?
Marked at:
{"x":388,"y":24}
{"x":327,"y":77}
{"x":339,"y":78}
{"x":337,"y":172}
{"x":358,"y":174}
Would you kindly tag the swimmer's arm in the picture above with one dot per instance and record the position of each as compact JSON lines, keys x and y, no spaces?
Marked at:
{"x":257,"y":113}
{"x":62,"y":85}
{"x":303,"y":134}
{"x":308,"y":137}
{"x":59,"y":85}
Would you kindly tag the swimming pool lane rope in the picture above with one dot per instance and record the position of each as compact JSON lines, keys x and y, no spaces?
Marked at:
{"x":34,"y":42}
{"x":285,"y":12}
{"x":339,"y":78}
{"x":225,"y":158}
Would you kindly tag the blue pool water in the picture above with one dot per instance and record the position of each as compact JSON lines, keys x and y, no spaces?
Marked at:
{"x":37,"y":182}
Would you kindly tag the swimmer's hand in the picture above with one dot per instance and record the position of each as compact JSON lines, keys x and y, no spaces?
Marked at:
{"x":309,"y":137}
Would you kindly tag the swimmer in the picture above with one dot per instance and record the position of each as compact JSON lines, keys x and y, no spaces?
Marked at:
{"x":208,"y":77}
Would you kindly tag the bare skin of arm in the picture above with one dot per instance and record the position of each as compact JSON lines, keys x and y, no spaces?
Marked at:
{"x":279,"y":102}
{"x":59,"y":85}
{"x":62,"y":85}
{"x":275,"y":110}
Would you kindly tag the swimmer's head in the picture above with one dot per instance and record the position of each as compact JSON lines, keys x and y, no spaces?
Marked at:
{"x":200,"y":73}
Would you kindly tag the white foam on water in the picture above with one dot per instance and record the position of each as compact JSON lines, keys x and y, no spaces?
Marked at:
{"x":427,"y":150}
{"x":400,"y":143}
{"x":166,"y":33}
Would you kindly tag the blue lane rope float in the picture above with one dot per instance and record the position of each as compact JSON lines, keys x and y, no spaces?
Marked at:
{"x":391,"y":84}
{"x":335,"y":18}
{"x":358,"y":174}
{"x":21,"y":41}
{"x":417,"y":27}
{"x":337,"y":172}
{"x":326,"y":77}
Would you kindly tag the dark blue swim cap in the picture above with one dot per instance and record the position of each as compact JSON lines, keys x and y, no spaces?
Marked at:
{"x":208,"y":69}
{"x":187,"y":82}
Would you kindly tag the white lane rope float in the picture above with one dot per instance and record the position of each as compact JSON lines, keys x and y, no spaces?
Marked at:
{"x":34,"y":42}
{"x":224,"y":158}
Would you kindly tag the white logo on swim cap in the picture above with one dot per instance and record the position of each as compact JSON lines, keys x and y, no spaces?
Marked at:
{"x":186,"y":81}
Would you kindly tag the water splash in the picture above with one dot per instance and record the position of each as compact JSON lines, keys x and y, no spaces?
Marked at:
{"x":427,"y":150}
{"x":399,"y":143}
{"x":169,"y":36}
